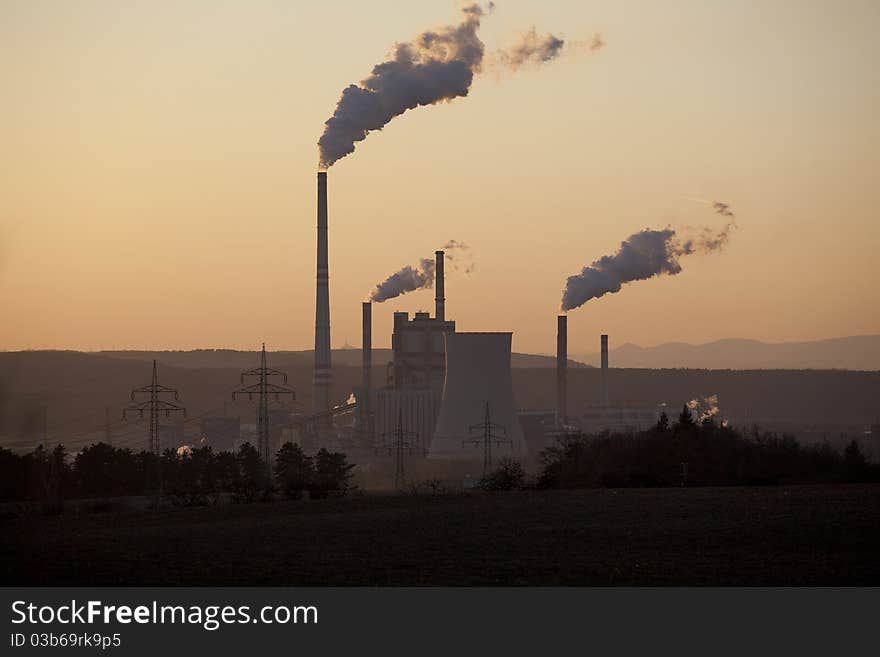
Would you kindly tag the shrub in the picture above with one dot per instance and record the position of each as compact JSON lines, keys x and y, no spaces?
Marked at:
{"x":509,"y":475}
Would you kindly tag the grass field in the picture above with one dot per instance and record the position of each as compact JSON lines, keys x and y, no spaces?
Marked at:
{"x":827,"y":535}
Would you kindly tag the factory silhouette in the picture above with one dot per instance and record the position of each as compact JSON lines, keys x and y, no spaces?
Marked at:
{"x":444,"y":386}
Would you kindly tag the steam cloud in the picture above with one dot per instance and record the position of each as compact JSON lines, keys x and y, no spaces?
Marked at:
{"x":723,"y":209}
{"x":436,"y":65}
{"x":421,"y":276}
{"x":704,"y":409}
{"x":531,"y":48}
{"x":641,"y":256}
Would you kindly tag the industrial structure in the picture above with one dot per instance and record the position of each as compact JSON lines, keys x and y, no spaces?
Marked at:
{"x":155,"y":405}
{"x":487,"y":434}
{"x":604,"y":416}
{"x":400,"y":442}
{"x":477,"y":373}
{"x":561,"y":370}
{"x":322,"y":378}
{"x":440,"y":382}
{"x":262,"y":389}
{"x":414,"y":377}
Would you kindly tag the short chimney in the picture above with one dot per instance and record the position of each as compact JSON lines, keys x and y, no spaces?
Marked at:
{"x":561,"y":369}
{"x":367,"y":343}
{"x":367,"y":354}
{"x":603,"y":391}
{"x":440,"y":288}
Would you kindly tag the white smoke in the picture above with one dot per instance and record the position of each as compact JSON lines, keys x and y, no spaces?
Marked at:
{"x":421,"y":276}
{"x":534,"y":49}
{"x":641,"y":256}
{"x":437,"y":65}
{"x":406,"y":279}
{"x":704,"y":408}
{"x":531,"y":48}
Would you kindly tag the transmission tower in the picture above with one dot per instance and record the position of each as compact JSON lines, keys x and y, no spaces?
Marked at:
{"x":400,"y":440}
{"x":485,"y":435}
{"x":263,"y":388}
{"x":155,"y":405}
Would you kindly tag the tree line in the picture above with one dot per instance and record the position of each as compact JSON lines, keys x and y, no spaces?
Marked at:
{"x":192,"y":477}
{"x":691,"y":453}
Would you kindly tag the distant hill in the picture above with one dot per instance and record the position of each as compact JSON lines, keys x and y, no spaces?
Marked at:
{"x":351,"y":357}
{"x":70,"y":397}
{"x":851,"y":353}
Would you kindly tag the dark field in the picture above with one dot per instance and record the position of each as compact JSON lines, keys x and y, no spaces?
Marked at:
{"x":747,"y":536}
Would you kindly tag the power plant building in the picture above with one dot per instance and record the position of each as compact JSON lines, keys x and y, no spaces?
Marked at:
{"x":604,"y":417}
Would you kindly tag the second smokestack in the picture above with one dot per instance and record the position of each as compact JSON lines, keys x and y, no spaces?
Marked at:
{"x":367,"y":344}
{"x":439,"y":287}
{"x":561,"y":369}
{"x":367,"y":373}
{"x":603,"y":391}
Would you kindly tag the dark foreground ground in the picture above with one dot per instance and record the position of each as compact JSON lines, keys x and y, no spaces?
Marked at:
{"x":749,"y":536}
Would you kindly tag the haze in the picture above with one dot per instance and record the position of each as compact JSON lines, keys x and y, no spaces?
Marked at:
{"x":158,"y":169}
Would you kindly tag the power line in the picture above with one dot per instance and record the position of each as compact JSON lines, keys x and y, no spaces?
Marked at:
{"x":155,"y":405}
{"x":263,"y":388}
{"x":401,"y":440}
{"x":487,"y":437}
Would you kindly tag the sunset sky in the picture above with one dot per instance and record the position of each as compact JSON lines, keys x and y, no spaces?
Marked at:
{"x":157,"y":171}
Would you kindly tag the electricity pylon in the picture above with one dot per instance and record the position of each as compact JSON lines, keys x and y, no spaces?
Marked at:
{"x":400,"y":440}
{"x":487,"y":437}
{"x":155,"y":405}
{"x":263,"y":388}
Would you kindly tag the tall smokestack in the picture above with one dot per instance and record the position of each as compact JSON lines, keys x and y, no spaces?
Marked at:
{"x":322,"y":376}
{"x":561,"y":369}
{"x":603,"y":391}
{"x":439,"y":287}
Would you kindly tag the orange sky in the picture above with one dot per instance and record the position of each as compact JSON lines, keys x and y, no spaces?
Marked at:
{"x":158,"y":171}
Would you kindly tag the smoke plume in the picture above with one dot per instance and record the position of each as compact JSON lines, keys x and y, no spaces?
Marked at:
{"x":723,"y":209}
{"x":421,"y":276}
{"x":531,"y":48}
{"x":703,"y":409}
{"x":641,"y":256}
{"x":437,"y":65}
{"x":535,"y":49}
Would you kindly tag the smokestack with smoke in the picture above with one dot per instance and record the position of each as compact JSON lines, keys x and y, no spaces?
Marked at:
{"x":421,"y":276}
{"x":603,"y":383}
{"x":561,"y":370}
{"x":641,"y":256}
{"x":440,"y":296}
{"x":366,"y":366}
{"x":437,"y":65}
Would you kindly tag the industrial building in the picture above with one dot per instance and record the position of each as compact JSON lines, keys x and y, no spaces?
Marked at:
{"x":605,"y":416}
{"x":442,"y":384}
{"x":439,"y":384}
{"x":478,"y":382}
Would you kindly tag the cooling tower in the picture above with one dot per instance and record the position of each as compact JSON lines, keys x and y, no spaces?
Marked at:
{"x":603,"y":386}
{"x":322,"y":376}
{"x":439,"y":287}
{"x":477,"y":372}
{"x":561,"y":369}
